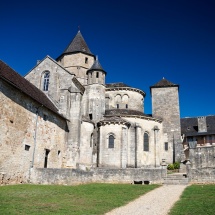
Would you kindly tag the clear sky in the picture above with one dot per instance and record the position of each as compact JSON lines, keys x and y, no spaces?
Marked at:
{"x":138,"y":42}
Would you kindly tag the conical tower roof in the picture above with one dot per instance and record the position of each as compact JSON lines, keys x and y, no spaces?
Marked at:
{"x":96,"y":66}
{"x":78,"y":44}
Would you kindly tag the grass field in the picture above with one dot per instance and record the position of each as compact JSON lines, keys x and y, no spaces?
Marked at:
{"x":196,"y":200}
{"x":83,"y":199}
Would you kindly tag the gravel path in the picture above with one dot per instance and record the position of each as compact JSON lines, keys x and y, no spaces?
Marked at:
{"x":155,"y":202}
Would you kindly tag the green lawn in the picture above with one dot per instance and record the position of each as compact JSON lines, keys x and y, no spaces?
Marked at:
{"x":55,"y":199}
{"x":196,"y":200}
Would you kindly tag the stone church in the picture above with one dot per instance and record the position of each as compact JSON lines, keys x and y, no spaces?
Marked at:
{"x":63,"y":114}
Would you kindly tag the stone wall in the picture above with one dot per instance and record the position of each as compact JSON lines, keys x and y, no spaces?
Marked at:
{"x":201,"y":168}
{"x":97,"y":175}
{"x":28,"y":130}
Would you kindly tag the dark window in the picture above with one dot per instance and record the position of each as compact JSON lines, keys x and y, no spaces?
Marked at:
{"x":91,"y":140}
{"x":45,"y":117}
{"x":146,"y":142}
{"x":27,"y":147}
{"x":58,"y":152}
{"x":97,"y":75}
{"x":46,"y":158}
{"x":91,"y":116}
{"x":117,"y":106}
{"x":166,"y":146}
{"x":111,"y":141}
{"x":126,"y":106}
{"x":86,"y":59}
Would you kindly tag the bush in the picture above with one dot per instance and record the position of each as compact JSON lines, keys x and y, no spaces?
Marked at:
{"x":170,"y":167}
{"x":176,"y":165}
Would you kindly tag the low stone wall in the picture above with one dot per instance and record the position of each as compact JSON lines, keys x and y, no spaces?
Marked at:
{"x":201,"y":168}
{"x":97,"y":175}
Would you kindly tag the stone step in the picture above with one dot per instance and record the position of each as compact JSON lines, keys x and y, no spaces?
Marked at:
{"x":177,"y":175}
{"x":176,"y":181}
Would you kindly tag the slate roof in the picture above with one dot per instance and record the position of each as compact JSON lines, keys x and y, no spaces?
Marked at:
{"x":13,"y":78}
{"x":119,"y":112}
{"x":115,"y":120}
{"x":96,"y":66}
{"x":189,"y":126}
{"x":164,"y":83}
{"x":119,"y":84}
{"x":78,"y":44}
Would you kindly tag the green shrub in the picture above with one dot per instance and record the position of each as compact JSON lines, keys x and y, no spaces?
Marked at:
{"x":176,"y":165}
{"x":170,"y":166}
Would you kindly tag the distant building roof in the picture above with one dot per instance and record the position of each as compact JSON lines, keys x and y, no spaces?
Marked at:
{"x":164,"y":83}
{"x":78,"y":44}
{"x":12,"y":77}
{"x":189,"y":126}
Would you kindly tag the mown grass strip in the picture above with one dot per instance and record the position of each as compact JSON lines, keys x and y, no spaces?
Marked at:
{"x":196,"y":200}
{"x":56,"y":199}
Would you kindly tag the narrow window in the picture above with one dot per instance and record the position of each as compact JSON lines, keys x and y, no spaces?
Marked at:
{"x":45,"y":117}
{"x":58,"y":152}
{"x":146,"y":142}
{"x":126,"y":106}
{"x":91,"y":140}
{"x":46,"y":158}
{"x":91,"y":116}
{"x":86,"y":60}
{"x":166,"y":146}
{"x":46,"y":81}
{"x":111,"y":141}
{"x":117,"y":106}
{"x":97,"y":74}
{"x":27,"y":147}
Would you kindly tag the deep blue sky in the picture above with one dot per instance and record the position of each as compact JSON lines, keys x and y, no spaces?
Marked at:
{"x":138,"y":41}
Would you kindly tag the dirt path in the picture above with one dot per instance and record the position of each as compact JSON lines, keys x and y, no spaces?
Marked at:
{"x":156,"y":202}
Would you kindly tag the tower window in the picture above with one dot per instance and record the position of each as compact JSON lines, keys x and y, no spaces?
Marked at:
{"x":97,"y":74}
{"x":46,"y":81}
{"x":46,"y":158}
{"x":166,"y":146}
{"x":91,"y":140}
{"x":111,"y":141}
{"x":146,"y":142}
{"x":91,"y":116}
{"x":27,"y":147}
{"x":117,"y":106}
{"x":126,"y":106}
{"x":86,"y":60}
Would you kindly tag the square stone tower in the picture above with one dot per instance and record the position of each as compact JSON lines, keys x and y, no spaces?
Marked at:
{"x":165,"y":105}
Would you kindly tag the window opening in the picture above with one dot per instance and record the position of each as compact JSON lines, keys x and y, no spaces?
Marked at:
{"x":97,"y":74}
{"x":91,"y":140}
{"x":117,"y":106}
{"x":126,"y":106}
{"x":27,"y":147}
{"x":45,"y":117}
{"x":58,"y":152}
{"x":86,"y":59}
{"x":111,"y":141}
{"x":46,"y":158}
{"x":146,"y":142}
{"x":166,"y":146}
{"x":46,"y":81}
{"x":91,"y":116}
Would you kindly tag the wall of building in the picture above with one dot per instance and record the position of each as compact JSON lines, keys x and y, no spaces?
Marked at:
{"x":22,"y":131}
{"x":201,"y":165}
{"x":97,"y":175}
{"x":133,"y":99}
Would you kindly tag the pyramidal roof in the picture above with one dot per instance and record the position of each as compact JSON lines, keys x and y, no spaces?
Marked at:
{"x":78,"y":44}
{"x":164,"y":83}
{"x":96,"y":66}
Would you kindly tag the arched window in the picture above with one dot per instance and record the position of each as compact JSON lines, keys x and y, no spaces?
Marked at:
{"x":46,"y":81}
{"x":111,"y":141}
{"x":146,"y":142}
